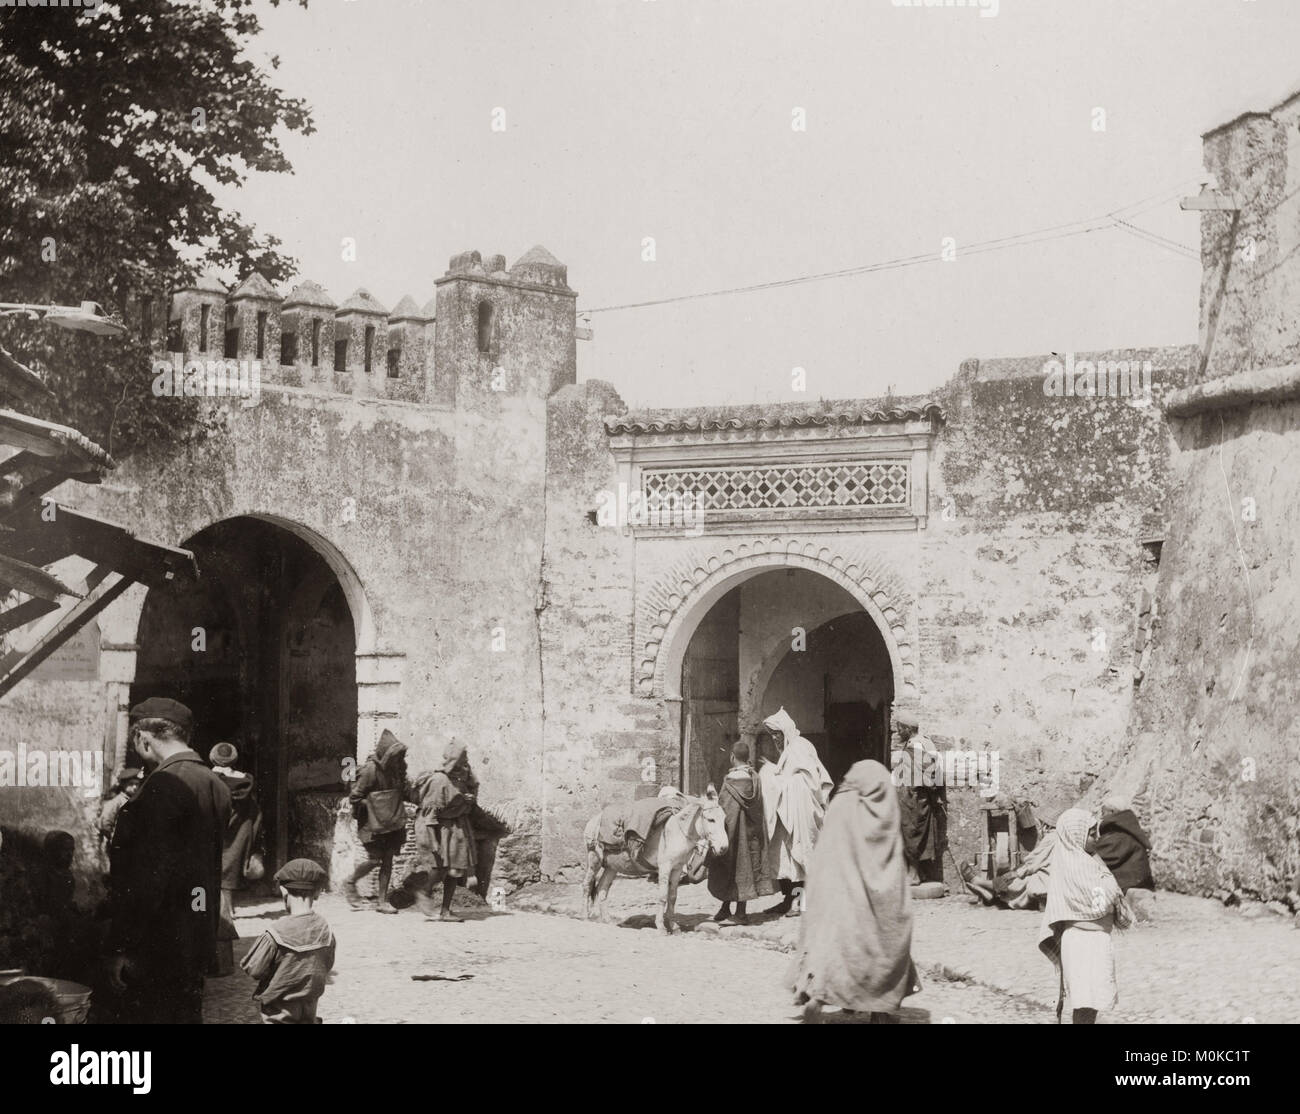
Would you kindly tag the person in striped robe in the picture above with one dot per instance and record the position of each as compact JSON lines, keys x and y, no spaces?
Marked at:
{"x":1084,"y":905}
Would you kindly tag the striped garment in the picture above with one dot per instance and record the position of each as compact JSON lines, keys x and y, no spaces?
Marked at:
{"x":1080,"y":886}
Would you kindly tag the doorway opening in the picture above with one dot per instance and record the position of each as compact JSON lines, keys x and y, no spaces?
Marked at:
{"x":262,"y":650}
{"x":791,"y":638}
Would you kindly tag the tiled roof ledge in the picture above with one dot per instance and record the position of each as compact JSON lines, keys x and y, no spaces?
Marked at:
{"x":764,"y":418}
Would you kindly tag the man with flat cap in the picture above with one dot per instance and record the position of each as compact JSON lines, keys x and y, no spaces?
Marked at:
{"x":165,"y":880}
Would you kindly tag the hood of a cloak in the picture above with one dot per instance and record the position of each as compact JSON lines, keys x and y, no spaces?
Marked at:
{"x":389,"y":749}
{"x":780,"y":721}
{"x":454,"y":755}
{"x":1127,"y":822}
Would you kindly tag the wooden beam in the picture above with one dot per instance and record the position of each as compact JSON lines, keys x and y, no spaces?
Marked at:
{"x":31,"y":580}
{"x":26,"y":612}
{"x":49,"y":439}
{"x":35,"y":485}
{"x":1210,"y":201}
{"x":12,"y":671}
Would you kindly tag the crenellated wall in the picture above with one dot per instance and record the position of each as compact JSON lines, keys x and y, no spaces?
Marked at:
{"x":424,"y":492}
{"x":305,"y":339}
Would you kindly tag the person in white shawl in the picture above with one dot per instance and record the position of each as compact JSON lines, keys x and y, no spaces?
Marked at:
{"x":796,"y":789}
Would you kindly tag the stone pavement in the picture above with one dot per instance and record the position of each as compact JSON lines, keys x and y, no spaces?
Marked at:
{"x":530,"y":967}
{"x":538,"y":962}
{"x":1197,"y":962}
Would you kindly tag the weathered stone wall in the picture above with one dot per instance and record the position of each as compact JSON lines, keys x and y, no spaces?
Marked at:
{"x":598,"y":734}
{"x":432,"y":514}
{"x":1213,"y":750}
{"x":1250,"y":277}
{"x":70,"y":725}
{"x":1031,"y":572}
{"x":1013,"y":607}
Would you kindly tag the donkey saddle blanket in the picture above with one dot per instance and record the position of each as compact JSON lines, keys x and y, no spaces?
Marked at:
{"x":622,"y":822}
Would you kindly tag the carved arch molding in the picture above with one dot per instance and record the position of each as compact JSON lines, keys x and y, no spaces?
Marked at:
{"x":672,"y":605}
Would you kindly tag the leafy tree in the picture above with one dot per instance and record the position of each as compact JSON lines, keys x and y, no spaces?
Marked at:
{"x":115,"y":122}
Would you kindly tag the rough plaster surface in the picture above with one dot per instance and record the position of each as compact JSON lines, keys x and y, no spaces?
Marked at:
{"x":1213,"y":746}
{"x":1212,"y":750}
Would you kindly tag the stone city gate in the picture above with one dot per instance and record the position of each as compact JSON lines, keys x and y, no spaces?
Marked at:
{"x":785,"y":587}
{"x":771,"y":622}
{"x":274,"y":649}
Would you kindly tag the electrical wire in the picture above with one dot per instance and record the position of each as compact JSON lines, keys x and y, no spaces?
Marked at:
{"x":1021,"y":239}
{"x":1155,"y":238}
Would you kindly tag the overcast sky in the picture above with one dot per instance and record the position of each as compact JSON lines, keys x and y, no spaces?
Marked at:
{"x":672,"y":119}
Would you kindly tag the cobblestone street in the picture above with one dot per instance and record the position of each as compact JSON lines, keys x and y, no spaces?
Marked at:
{"x":531,"y":967}
{"x":1198,"y":962}
{"x":538,"y":961}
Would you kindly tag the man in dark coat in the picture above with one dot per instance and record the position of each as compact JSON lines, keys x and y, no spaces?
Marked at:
{"x":1123,"y":846}
{"x":922,"y":799}
{"x":165,"y":882}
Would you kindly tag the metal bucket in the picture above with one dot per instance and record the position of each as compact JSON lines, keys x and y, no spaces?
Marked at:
{"x":71,"y":998}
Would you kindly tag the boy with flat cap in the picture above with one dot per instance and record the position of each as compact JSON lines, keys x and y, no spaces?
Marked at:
{"x":292,"y":959}
{"x":165,"y":879}
{"x":127,"y":781}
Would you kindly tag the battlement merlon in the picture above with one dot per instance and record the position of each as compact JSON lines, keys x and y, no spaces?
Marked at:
{"x":507,"y":331}
{"x":485,"y":322}
{"x":536,"y":269}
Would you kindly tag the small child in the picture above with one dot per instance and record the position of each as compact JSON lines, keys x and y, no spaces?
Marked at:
{"x":291,"y":960}
{"x":1084,"y":905}
{"x":127,"y":781}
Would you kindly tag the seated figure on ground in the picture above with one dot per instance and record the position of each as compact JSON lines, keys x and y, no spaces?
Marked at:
{"x":1025,"y":887}
{"x":1123,"y":846}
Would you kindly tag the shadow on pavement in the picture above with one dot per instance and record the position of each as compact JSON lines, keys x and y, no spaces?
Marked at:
{"x":908,"y":1015}
{"x":686,"y":922}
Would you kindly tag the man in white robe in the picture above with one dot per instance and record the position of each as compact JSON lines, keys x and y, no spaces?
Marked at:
{"x":796,"y":789}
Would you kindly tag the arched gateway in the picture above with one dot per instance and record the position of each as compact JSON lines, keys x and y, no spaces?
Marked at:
{"x":792,"y":581}
{"x":263,"y":648}
{"x":771,"y":623}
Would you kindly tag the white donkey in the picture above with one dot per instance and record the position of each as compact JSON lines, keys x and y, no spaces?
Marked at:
{"x":700,"y":824}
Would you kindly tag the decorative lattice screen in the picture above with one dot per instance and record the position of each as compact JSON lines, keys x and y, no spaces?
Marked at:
{"x":867,"y":484}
